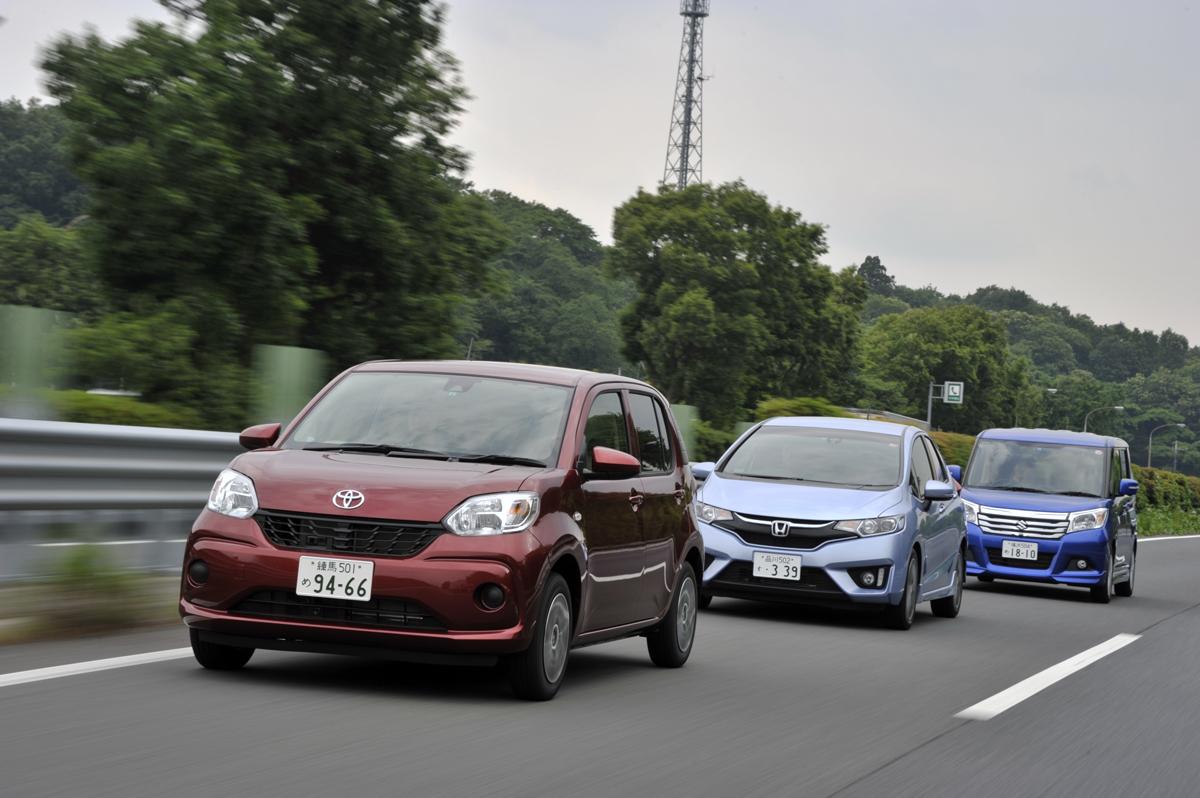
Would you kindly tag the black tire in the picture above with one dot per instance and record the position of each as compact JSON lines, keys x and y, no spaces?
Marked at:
{"x":900,"y":616}
{"x":949,"y":606}
{"x":705,"y":600}
{"x":1125,"y":589}
{"x":670,"y":643}
{"x":986,"y":578}
{"x":217,"y":657}
{"x":1103,"y":592}
{"x":536,"y":673}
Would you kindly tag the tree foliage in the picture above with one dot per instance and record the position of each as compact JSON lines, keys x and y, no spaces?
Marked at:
{"x":35,"y":177}
{"x":47,"y":267}
{"x":732,"y":304}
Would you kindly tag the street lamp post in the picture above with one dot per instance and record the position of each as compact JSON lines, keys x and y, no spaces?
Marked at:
{"x":1097,"y":410}
{"x":1150,"y":446}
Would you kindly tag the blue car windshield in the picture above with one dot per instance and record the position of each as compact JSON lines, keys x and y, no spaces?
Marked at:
{"x":845,"y":458}
{"x":1038,"y":468}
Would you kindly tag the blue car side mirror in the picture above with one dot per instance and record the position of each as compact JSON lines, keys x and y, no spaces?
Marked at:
{"x":955,"y":473}
{"x":939,"y":491}
{"x":701,"y":470}
{"x":1129,"y":487}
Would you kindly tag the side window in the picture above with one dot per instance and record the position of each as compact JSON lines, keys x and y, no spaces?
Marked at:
{"x":605,"y":426}
{"x":1126,"y":470}
{"x":666,"y":433}
{"x":1118,"y":473}
{"x":935,"y":460}
{"x":922,"y":471}
{"x":651,"y":447}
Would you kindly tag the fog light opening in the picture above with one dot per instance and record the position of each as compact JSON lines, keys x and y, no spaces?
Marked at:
{"x":198,"y":572}
{"x":871,"y":578}
{"x":490,"y":596}
{"x":1081,"y":564}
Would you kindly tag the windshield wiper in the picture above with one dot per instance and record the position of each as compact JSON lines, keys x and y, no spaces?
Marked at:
{"x":772,"y":476}
{"x":1020,"y":488}
{"x":380,"y":448}
{"x":499,"y":459}
{"x":1078,"y":493}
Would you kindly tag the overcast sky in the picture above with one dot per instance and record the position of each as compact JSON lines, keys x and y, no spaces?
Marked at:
{"x":1047,"y":145}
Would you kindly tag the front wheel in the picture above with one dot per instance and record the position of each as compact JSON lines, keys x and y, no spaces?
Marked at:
{"x":1125,"y":589}
{"x":670,"y":642}
{"x":217,"y":657}
{"x":949,"y":606}
{"x":901,"y":615}
{"x":536,"y":673}
{"x":1103,"y":592}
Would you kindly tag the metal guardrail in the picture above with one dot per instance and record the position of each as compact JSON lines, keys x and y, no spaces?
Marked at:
{"x":135,"y":490}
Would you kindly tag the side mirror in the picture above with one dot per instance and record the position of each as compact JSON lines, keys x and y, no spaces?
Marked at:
{"x":1129,"y":487}
{"x":701,"y":470}
{"x":955,"y":473}
{"x":611,"y":463}
{"x":939,"y":491}
{"x":259,"y":436}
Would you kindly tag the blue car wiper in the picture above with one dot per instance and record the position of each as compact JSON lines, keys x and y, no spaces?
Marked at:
{"x":1020,"y":488}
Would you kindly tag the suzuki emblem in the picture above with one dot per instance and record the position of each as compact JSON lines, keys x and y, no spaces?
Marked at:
{"x":348,"y":499}
{"x":1022,"y":525}
{"x":780,"y":529}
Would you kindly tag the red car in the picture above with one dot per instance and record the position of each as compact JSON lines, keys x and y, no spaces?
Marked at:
{"x":452,"y":510}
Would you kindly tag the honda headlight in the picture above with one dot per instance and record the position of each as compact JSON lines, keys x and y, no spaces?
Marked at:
{"x":872,"y":526}
{"x":1088,"y":519}
{"x":707,"y":513}
{"x":971,"y":509}
{"x":494,"y":514}
{"x":233,"y":495}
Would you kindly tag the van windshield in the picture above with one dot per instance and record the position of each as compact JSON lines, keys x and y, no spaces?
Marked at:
{"x":846,"y":458}
{"x":438,"y":414}
{"x":1038,"y":468}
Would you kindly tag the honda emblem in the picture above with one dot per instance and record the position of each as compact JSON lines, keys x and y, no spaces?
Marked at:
{"x":780,"y":529}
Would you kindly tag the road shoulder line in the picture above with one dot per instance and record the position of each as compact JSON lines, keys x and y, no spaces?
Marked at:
{"x":77,"y":668}
{"x":1026,"y":688}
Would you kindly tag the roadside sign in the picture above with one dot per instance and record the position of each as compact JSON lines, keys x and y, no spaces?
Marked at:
{"x":952,"y":393}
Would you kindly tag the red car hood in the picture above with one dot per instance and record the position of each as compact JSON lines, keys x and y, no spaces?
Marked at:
{"x":402,"y":489}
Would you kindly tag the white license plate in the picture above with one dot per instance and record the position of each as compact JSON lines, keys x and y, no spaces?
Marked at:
{"x":777,"y":566}
{"x":331,"y":578}
{"x":1018,"y":550}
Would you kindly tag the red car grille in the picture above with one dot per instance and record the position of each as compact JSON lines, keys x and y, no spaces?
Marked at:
{"x":381,"y":612}
{"x":340,"y":535}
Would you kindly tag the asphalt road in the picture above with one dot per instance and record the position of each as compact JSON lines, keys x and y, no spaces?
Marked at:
{"x":775,"y":701}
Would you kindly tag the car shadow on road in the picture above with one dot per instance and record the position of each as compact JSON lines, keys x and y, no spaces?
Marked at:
{"x":866,"y":618}
{"x":467,"y":684}
{"x":1032,"y":589}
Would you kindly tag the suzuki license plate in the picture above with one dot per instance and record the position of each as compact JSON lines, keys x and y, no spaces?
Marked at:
{"x":327,"y":577}
{"x":1018,"y":550}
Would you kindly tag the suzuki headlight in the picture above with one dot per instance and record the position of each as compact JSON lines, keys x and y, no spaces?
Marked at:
{"x":872,"y":526}
{"x":971,"y":509}
{"x":233,"y":495}
{"x":494,"y":514}
{"x":1088,"y":519}
{"x":707,"y":513}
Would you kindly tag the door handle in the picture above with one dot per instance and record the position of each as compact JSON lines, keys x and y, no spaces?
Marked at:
{"x":636,"y":499}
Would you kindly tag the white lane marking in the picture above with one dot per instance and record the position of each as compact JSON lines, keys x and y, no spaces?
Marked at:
{"x":1166,"y":537}
{"x":61,"y":544}
{"x":1007,"y":699}
{"x":74,"y":669}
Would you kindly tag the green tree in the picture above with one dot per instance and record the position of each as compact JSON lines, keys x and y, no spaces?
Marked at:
{"x":910,"y":350}
{"x":46,"y":267}
{"x":35,"y":176}
{"x":876,"y":276}
{"x":280,"y":167}
{"x":732,"y":304}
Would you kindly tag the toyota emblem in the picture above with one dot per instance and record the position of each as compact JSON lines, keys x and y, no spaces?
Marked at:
{"x":348,"y":499}
{"x":780,"y":529}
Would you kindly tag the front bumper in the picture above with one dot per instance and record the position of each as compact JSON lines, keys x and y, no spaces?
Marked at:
{"x":1056,"y":557}
{"x":824,"y":573}
{"x":435,"y":589}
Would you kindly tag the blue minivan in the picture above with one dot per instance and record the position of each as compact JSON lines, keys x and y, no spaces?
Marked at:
{"x":1051,"y":506}
{"x":833,"y":511}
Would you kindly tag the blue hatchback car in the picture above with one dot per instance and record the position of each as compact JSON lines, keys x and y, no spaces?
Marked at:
{"x":833,"y":511}
{"x":1052,"y":506}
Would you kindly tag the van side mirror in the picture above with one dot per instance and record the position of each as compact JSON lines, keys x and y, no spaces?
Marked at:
{"x":955,"y":473}
{"x":1129,"y":487}
{"x":259,"y":436}
{"x":701,"y":470}
{"x":613,"y":464}
{"x":936,"y":491}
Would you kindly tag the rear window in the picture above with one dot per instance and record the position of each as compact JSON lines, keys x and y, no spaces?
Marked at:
{"x":845,"y":458}
{"x":1029,"y":467}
